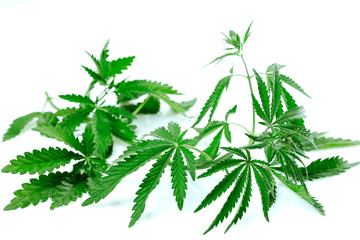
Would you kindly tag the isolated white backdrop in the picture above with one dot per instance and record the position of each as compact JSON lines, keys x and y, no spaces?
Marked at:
{"x":43,"y":44}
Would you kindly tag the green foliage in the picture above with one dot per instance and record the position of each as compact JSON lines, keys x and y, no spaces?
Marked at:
{"x":18,"y":125}
{"x":90,"y":129}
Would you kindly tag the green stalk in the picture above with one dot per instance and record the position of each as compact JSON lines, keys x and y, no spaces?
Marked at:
{"x":141,"y":105}
{"x":49,"y":100}
{"x":251,"y":91}
{"x":200,"y":151}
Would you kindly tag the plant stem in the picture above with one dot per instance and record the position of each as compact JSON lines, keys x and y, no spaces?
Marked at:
{"x":141,"y":105}
{"x":251,"y":91}
{"x":200,"y":151}
{"x":247,"y":130}
{"x":49,"y":100}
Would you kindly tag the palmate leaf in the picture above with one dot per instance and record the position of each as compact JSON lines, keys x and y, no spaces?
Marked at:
{"x":140,"y":154}
{"x":327,"y":167}
{"x":149,"y":183}
{"x":232,"y":199}
{"x":41,"y":161}
{"x":221,"y":187}
{"x":299,"y":190}
{"x":38,"y":190}
{"x":213,"y":100}
{"x":18,"y":125}
{"x":168,"y":145}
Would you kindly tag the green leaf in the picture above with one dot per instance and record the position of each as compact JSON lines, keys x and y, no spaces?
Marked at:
{"x":190,"y":160}
{"x":247,"y":34}
{"x":213,"y":100}
{"x":299,"y":190}
{"x":104,"y":64}
{"x":213,"y":149}
{"x":88,"y":140}
{"x":220,"y":188}
{"x":65,"y":111}
{"x":219,"y":166}
{"x":47,"y":118}
{"x":210,"y":128}
{"x":292,"y":114}
{"x":276,"y":93}
{"x":73,"y":120}
{"x":329,"y":142}
{"x":264,"y":191}
{"x":118,"y":112}
{"x":77,"y":99}
{"x":140,"y":154}
{"x":244,"y":204}
{"x":291,"y":104}
{"x":293,"y":84}
{"x":151,"y":106}
{"x":219,"y":59}
{"x":148,"y":184}
{"x":264,"y":95}
{"x":67,"y":192}
{"x":236,"y":151}
{"x":38,"y":190}
{"x":122,"y":130}
{"x":231,"y":111}
{"x":41,"y":161}
{"x":327,"y":167}
{"x":61,"y":134}
{"x":259,"y":111}
{"x":120,"y":64}
{"x":102,"y":132}
{"x":178,"y":178}
{"x":231,"y":201}
{"x":227,"y":132}
{"x":18,"y":125}
{"x":95,"y":76}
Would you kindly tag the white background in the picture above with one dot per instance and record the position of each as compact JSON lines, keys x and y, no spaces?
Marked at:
{"x":43,"y":44}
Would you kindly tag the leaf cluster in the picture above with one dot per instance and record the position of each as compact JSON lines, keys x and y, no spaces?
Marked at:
{"x":89,"y":130}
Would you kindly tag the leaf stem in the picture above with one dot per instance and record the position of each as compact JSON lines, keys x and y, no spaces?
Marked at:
{"x":237,"y":124}
{"x":200,"y":151}
{"x":251,"y":91}
{"x":49,"y":100}
{"x":137,"y":110}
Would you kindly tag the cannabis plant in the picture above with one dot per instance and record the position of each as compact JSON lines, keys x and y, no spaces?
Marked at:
{"x":90,"y":128}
